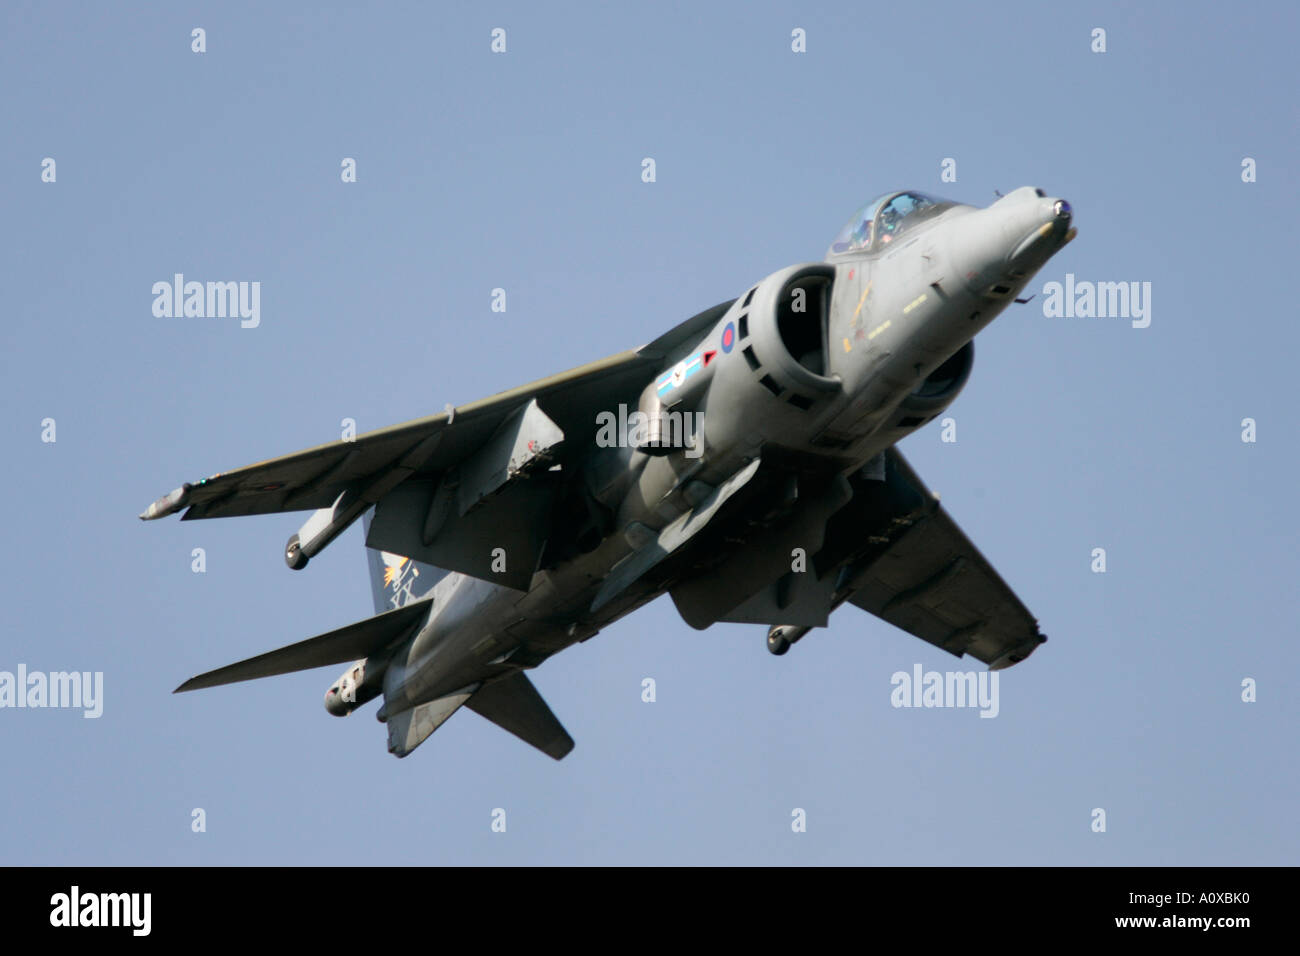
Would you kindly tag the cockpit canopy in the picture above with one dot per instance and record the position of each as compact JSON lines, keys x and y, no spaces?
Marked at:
{"x":884,"y":219}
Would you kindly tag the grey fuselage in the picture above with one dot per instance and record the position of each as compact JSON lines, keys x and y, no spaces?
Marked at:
{"x":891,"y":317}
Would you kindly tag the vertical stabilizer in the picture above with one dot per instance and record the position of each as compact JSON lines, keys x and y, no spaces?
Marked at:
{"x":396,"y":581}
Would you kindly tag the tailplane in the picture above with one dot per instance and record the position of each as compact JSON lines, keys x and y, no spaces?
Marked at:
{"x":510,"y":702}
{"x":513,"y":704}
{"x":358,"y":640}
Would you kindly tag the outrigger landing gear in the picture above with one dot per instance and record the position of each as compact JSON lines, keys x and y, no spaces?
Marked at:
{"x":293,"y":555}
{"x":781,"y":636}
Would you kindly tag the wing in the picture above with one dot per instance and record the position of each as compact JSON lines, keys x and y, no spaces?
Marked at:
{"x":371,"y":465}
{"x":922,"y":574}
{"x":376,"y":462}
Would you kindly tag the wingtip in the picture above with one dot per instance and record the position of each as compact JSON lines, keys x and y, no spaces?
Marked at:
{"x":168,"y":504}
{"x":561,"y":748}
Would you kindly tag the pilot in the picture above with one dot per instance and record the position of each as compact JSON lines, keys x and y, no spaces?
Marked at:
{"x":888,"y":223}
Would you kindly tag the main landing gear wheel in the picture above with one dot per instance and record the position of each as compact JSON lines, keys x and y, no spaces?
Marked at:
{"x":293,"y":555}
{"x":776,"y":642}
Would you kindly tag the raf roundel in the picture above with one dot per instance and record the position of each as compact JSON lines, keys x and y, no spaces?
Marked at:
{"x":728,"y":337}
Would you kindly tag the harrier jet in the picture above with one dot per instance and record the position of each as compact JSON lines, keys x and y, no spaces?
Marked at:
{"x":743,"y":462}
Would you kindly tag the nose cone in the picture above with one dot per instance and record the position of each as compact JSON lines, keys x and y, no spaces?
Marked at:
{"x":1038,"y":227}
{"x":1002,"y":246}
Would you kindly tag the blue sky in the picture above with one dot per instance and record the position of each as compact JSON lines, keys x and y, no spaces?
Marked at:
{"x":522,"y":171}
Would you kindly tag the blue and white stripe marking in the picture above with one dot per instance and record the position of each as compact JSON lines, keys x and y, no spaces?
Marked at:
{"x":680,"y":373}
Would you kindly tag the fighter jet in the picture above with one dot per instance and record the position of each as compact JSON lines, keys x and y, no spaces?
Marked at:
{"x":743,"y":462}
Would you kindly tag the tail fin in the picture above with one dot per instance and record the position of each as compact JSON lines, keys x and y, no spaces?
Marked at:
{"x":396,"y":581}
